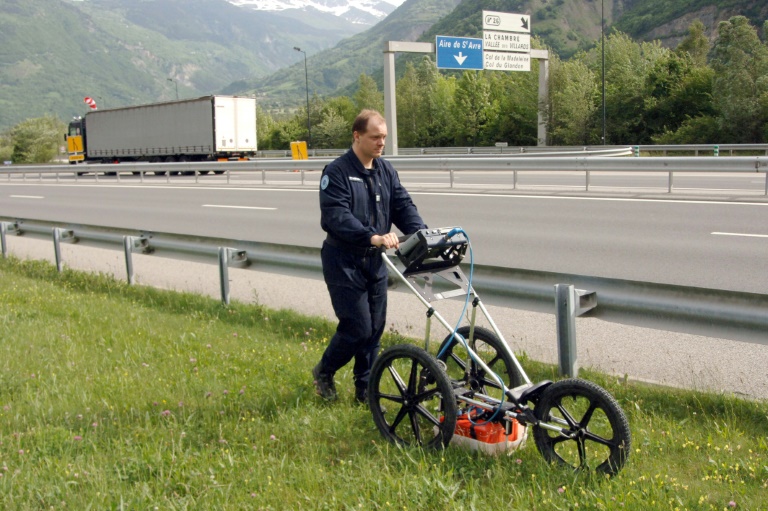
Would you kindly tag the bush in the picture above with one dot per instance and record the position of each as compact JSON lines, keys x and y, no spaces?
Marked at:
{"x":36,"y":140}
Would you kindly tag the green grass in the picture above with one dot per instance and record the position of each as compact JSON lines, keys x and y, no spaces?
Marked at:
{"x":119,"y":397}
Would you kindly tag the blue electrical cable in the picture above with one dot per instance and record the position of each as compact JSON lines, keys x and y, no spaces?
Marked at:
{"x":455,"y":333}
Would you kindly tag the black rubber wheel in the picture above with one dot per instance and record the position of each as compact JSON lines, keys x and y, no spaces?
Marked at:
{"x":411,"y":398}
{"x":489,"y":348}
{"x":597,"y":432}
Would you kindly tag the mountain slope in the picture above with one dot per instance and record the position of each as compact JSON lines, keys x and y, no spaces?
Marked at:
{"x":340,"y":66}
{"x":364,"y":13}
{"x":122,"y":52}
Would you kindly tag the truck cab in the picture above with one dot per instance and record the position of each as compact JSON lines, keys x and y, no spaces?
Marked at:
{"x":75,"y":138}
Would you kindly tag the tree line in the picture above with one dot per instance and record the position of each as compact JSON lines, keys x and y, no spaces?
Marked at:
{"x":699,"y":92}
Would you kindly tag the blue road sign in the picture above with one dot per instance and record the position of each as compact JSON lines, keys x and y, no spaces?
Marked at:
{"x":459,"y":52}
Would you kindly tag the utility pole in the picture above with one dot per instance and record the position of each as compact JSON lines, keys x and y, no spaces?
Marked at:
{"x":306,"y":81}
{"x":177,"y":87}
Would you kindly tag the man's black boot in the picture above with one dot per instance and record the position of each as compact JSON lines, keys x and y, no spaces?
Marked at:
{"x":324,"y":384}
{"x":361,"y":395}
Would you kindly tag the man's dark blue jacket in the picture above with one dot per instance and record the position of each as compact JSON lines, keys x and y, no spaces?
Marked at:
{"x":356,"y":203}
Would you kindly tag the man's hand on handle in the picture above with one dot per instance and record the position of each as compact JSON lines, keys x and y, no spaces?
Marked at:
{"x":387,"y":241}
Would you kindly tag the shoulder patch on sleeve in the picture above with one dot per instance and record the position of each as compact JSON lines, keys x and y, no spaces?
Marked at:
{"x":324,"y":182}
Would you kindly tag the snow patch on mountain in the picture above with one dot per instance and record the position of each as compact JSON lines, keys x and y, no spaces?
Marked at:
{"x":379,"y":9}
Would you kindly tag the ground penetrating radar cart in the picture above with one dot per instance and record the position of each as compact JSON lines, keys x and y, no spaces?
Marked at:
{"x":474,"y":390}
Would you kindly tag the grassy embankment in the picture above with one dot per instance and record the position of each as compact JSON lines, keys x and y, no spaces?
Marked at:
{"x":119,"y":397}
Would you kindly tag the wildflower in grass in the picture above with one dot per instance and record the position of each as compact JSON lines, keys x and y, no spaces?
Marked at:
{"x":234,"y":334}
{"x":732,"y":504}
{"x":192,"y":360}
{"x":165,"y":413}
{"x":272,"y":437}
{"x":519,"y":461}
{"x":78,"y":438}
{"x":226,"y":392}
{"x":181,"y":404}
{"x":208,"y":394}
{"x":561,"y":490}
{"x":95,"y":425}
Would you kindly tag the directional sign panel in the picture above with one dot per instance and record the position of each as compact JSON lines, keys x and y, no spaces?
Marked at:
{"x":506,"y":41}
{"x":506,"y":21}
{"x":459,"y":52}
{"x":506,"y":61}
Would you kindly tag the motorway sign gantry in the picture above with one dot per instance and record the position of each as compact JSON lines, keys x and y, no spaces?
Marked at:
{"x":459,"y":52}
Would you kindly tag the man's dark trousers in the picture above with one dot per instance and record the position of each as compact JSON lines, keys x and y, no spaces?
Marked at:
{"x":357,"y":285}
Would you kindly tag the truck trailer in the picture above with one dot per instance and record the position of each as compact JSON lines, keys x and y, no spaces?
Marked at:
{"x":209,"y":128}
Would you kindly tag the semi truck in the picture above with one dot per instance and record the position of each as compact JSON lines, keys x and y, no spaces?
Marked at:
{"x":209,"y":128}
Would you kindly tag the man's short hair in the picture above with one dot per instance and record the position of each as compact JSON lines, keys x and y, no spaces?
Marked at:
{"x":361,"y":121}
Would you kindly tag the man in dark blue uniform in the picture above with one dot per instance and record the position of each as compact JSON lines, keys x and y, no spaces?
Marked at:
{"x":360,"y":199}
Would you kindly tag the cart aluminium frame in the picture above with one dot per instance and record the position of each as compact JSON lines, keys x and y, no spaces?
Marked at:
{"x":415,"y":396}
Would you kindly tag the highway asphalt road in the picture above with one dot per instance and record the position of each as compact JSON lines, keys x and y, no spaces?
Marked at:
{"x":718,"y":244}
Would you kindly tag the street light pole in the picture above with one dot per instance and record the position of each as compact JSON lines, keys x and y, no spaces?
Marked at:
{"x":177,"y":87}
{"x":306,"y":81}
{"x":602,"y":40}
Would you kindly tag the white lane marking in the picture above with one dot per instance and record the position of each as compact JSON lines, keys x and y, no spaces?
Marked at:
{"x":595,"y":199}
{"x":414,"y":192}
{"x":236,"y":207}
{"x":27,"y":197}
{"x":745,"y":235}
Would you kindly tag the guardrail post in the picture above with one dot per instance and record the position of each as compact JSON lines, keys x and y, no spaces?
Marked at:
{"x":60,"y":235}
{"x":127,"y":244}
{"x":229,"y":257}
{"x":565,"y":316}
{"x":670,"y":181}
{"x":133,"y":244}
{"x":450,"y":172}
{"x":224,"y":275}
{"x":637,"y":150}
{"x":586,"y":184}
{"x":3,"y":229}
{"x":716,"y":150}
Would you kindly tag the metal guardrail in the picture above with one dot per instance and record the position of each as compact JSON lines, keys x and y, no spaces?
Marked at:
{"x":692,"y":149}
{"x":607,"y":160}
{"x":711,"y":312}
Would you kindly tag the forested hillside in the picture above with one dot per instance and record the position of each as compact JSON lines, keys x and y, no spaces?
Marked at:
{"x":703,"y":91}
{"x":55,"y":52}
{"x":123,"y":52}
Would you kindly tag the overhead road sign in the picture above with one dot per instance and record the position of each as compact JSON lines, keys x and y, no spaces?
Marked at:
{"x":506,"y":61}
{"x":506,"y":21}
{"x":506,"y":41}
{"x":459,"y":52}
